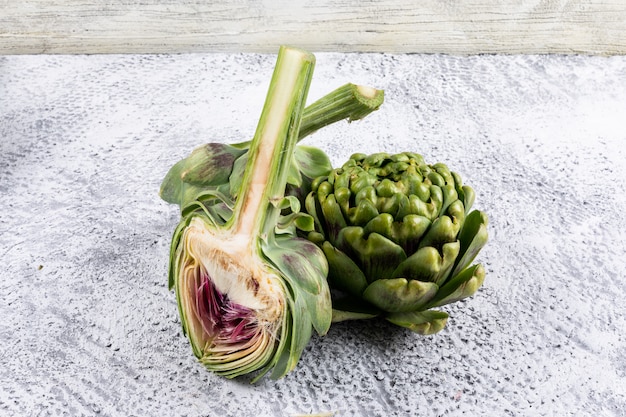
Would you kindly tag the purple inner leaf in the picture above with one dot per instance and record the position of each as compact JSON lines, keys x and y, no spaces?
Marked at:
{"x":224,"y":321}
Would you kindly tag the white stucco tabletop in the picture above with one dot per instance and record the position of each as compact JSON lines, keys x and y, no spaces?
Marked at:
{"x":89,"y":327}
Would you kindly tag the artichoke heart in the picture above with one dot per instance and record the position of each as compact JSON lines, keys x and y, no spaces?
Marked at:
{"x":231,"y":303}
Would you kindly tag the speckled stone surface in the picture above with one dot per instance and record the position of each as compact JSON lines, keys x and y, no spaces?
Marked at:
{"x":88,"y":326}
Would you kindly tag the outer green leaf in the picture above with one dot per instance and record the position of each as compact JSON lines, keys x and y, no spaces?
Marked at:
{"x":289,"y":202}
{"x":463,"y":285}
{"x":346,"y":307}
{"x":376,"y":255}
{"x":343,"y":273}
{"x":300,"y":221}
{"x":313,"y":208}
{"x":418,"y":206}
{"x":443,"y":230}
{"x":305,"y":269}
{"x":236,"y":176}
{"x":172,"y":185}
{"x":422,"y":322}
{"x":297,"y":336}
{"x":399,"y":294}
{"x":210,"y":164}
{"x":334,"y":218}
{"x":362,"y":213}
{"x":406,"y":233}
{"x":294,"y":177}
{"x":311,"y":161}
{"x":468,"y":196}
{"x":427,"y":264}
{"x":473,"y":237}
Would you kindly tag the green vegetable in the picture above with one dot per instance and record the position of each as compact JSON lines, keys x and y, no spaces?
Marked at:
{"x":399,"y":238}
{"x":393,"y":236}
{"x":248,"y":293}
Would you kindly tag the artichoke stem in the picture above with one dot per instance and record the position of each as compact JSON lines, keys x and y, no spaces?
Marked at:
{"x":265,"y":176}
{"x":350,"y":101}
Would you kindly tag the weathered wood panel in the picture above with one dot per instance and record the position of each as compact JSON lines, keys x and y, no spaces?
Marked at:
{"x":428,"y":26}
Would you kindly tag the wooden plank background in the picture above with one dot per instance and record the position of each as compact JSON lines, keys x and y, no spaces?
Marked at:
{"x":399,"y":26}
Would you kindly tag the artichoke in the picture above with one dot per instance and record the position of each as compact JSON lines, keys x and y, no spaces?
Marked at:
{"x":399,"y":236}
{"x":250,"y":292}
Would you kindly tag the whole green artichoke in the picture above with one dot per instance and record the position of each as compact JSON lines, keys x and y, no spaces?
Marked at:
{"x":399,"y":238}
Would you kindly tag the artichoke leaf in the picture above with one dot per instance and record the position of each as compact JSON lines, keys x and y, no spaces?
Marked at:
{"x":172,"y":186}
{"x":288,"y":202}
{"x":294,"y":176}
{"x":304,"y":268}
{"x":345,"y":315}
{"x":362,"y":213}
{"x":443,"y":170}
{"x":387,"y":188}
{"x":207,"y":166}
{"x":450,"y":196}
{"x":367,"y":193}
{"x":294,"y":218}
{"x":456,"y":211}
{"x":360,"y":179}
{"x":421,"y":207}
{"x":404,"y":207}
{"x":473,"y":237}
{"x":301,"y":221}
{"x":313,"y":208}
{"x":436,"y":179}
{"x":428,"y":265}
{"x":342,"y":196}
{"x":436,"y":200}
{"x":212,"y":196}
{"x":343,"y":273}
{"x":236,"y":177}
{"x":406,"y":233}
{"x":297,"y":335}
{"x":221,"y":212}
{"x":175,"y":191}
{"x":210,"y":164}
{"x":307,"y":163}
{"x":450,"y":254}
{"x":461,"y":286}
{"x":443,"y":230}
{"x":395,"y":205}
{"x":422,"y":322}
{"x":469,"y":196}
{"x":398,"y":295}
{"x":346,"y":307}
{"x":312,"y":162}
{"x":335,"y":221}
{"x":377,"y":255}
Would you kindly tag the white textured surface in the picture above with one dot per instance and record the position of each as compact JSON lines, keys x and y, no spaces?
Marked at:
{"x":88,"y":326}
